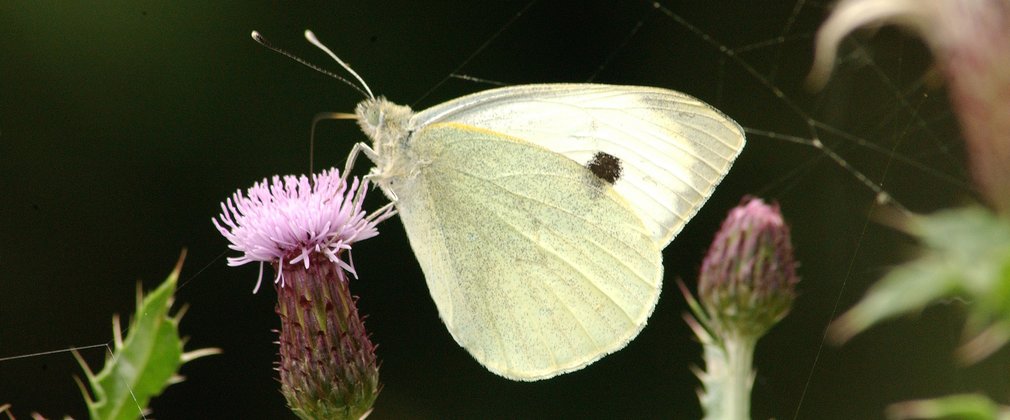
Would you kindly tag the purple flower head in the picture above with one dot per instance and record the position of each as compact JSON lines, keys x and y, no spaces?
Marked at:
{"x":748,"y":278}
{"x":290,"y":220}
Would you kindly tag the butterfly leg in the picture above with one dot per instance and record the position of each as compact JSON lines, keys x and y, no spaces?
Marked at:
{"x":383,"y":213}
{"x":374,"y":157}
{"x":353,"y":156}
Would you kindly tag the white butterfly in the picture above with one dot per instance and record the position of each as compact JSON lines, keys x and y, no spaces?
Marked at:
{"x":538,"y":213}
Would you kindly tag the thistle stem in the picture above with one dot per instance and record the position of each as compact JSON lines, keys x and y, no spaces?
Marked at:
{"x":741,"y":376}
{"x":729,"y":378}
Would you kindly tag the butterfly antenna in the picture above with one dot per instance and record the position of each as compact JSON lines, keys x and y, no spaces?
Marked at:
{"x":262,"y":41}
{"x":311,"y":37}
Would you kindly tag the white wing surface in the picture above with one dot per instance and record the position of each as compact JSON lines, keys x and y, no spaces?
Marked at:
{"x":537,"y":266}
{"x":674,"y":148}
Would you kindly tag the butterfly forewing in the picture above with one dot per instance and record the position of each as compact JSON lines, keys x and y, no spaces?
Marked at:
{"x":674,"y":148}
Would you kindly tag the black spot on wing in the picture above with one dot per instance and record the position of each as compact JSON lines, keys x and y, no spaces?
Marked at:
{"x":605,"y":166}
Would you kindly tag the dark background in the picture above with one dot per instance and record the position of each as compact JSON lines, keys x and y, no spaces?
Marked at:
{"x":124,"y":124}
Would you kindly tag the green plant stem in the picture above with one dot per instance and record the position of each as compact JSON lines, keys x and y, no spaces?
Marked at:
{"x":741,"y":376}
{"x":729,"y":378}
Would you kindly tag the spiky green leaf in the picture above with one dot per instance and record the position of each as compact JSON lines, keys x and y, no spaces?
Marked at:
{"x":145,"y":363}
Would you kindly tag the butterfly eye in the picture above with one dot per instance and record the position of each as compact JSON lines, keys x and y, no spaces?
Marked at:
{"x":373,"y":115}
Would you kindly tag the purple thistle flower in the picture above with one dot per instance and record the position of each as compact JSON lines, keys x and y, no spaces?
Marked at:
{"x":286,"y":221}
{"x":327,"y":366}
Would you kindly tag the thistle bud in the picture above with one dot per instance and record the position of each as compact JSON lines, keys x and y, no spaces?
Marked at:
{"x":747,"y":280}
{"x":746,"y":285}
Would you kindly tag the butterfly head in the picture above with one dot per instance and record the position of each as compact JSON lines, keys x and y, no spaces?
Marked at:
{"x":387,"y":124}
{"x":383,"y":121}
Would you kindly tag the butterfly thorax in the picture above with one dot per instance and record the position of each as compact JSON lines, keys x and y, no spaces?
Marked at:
{"x":386,"y":124}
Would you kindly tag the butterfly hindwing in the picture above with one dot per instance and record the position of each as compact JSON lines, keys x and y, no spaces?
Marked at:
{"x":537,"y":266}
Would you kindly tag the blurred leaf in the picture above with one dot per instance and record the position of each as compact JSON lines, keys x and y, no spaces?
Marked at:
{"x":961,"y":407}
{"x":145,"y":363}
{"x":966,"y":255}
